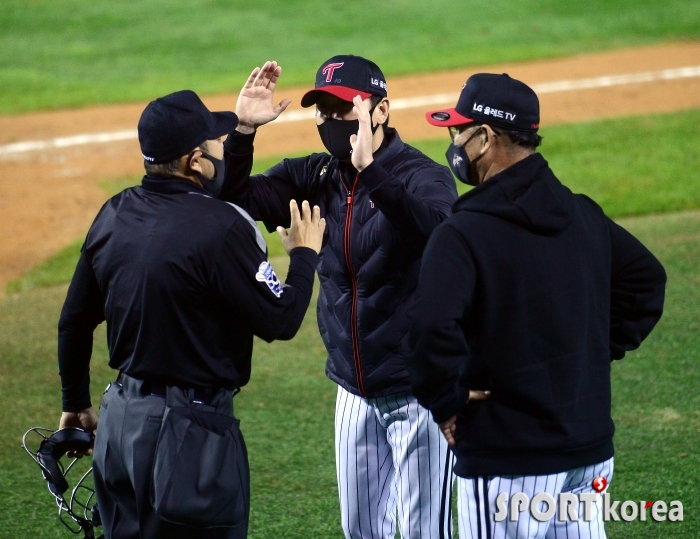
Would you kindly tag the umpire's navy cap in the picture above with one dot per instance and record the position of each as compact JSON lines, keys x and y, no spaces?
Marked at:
{"x":497,"y":100}
{"x":174,"y":125}
{"x":346,"y":76}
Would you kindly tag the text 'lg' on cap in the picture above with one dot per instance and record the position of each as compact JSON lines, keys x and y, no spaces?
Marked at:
{"x":174,"y":125}
{"x":492,"y":99}
{"x":346,"y":76}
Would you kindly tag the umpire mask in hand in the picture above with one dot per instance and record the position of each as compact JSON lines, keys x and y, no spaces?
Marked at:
{"x":215,"y":184}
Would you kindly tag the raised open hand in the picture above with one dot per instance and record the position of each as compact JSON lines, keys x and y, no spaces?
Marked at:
{"x":254,"y":107}
{"x":306,"y":228}
{"x":362,"y":142}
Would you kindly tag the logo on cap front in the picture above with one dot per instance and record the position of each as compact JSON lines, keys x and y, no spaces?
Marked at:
{"x":329,"y":69}
{"x":440,"y":116}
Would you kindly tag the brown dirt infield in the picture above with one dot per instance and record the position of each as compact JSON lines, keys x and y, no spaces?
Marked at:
{"x":49,"y":198}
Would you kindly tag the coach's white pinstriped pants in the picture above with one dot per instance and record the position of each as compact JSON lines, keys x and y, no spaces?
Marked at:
{"x":390,"y":455}
{"x":476,"y":518}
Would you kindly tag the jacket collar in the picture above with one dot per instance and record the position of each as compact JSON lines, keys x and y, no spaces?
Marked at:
{"x":526,"y":194}
{"x":390,"y":148}
{"x":167,"y":185}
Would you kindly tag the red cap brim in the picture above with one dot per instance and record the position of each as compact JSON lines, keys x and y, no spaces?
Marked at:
{"x":341,"y":92}
{"x":446,"y":118}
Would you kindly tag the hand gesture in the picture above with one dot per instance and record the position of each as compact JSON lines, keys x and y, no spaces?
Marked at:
{"x":449,"y":427}
{"x":254,"y":107}
{"x":306,"y":229}
{"x":362,"y":142}
{"x":86,"y":420}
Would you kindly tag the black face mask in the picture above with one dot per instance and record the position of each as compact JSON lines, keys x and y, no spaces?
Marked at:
{"x":335,"y":135}
{"x":459,"y":163}
{"x":215,"y":184}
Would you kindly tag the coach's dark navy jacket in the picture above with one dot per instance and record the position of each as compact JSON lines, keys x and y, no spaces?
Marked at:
{"x":377,"y":225}
{"x":530,"y":291}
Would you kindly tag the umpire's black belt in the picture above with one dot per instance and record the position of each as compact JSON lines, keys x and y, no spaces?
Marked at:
{"x":199,"y":395}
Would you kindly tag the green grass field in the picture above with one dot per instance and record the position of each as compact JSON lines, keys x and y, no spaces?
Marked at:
{"x":67,"y":53}
{"x":71,"y":53}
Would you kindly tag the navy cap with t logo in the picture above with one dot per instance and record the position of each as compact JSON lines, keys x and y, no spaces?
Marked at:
{"x":174,"y":125}
{"x":346,"y":76}
{"x":497,"y":100}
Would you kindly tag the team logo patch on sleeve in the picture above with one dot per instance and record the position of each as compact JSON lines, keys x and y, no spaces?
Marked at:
{"x":267,"y":275}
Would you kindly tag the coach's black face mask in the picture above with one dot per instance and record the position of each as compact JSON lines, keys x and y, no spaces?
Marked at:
{"x":215,"y":184}
{"x":335,"y":135}
{"x":458,"y":160}
{"x":459,"y":163}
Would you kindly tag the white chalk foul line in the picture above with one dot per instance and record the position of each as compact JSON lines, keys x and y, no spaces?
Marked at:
{"x":65,"y":142}
{"x":396,"y":104}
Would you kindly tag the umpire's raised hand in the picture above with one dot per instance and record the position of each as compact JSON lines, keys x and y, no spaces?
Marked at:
{"x":306,"y":229}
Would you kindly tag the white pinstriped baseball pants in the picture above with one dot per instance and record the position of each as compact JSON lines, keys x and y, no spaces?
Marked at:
{"x":476,"y":518}
{"x":390,"y":455}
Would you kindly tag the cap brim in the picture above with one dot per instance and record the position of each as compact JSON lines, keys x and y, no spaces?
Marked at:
{"x":341,"y":92}
{"x":225,"y":123}
{"x":446,"y":118}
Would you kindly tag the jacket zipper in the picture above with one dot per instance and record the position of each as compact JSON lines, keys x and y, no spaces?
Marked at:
{"x":353,"y":279}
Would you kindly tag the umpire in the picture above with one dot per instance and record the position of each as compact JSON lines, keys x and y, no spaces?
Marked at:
{"x":526,"y":295}
{"x":184,"y":283}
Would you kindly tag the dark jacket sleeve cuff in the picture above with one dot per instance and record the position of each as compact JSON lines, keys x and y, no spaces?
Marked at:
{"x":238,"y":143}
{"x":450,"y":405}
{"x":373,"y":176}
{"x":303,"y":261}
{"x":76,"y":395}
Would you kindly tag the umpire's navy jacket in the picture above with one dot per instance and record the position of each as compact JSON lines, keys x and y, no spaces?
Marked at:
{"x":377,"y":224}
{"x":184,"y":283}
{"x":530,"y":291}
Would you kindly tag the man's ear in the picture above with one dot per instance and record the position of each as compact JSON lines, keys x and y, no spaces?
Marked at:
{"x":194,"y":162}
{"x":382,"y":112}
{"x":488,"y":138}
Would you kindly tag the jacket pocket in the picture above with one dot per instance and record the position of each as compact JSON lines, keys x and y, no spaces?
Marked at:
{"x":200,"y":475}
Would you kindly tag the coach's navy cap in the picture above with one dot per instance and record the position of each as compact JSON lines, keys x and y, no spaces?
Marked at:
{"x":346,"y":76}
{"x":174,"y":125}
{"x":497,"y":100}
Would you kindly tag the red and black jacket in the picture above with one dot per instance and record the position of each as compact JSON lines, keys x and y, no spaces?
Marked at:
{"x":378,"y":223}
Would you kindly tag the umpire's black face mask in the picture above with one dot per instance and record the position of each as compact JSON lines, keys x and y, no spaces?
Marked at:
{"x":216,"y":182}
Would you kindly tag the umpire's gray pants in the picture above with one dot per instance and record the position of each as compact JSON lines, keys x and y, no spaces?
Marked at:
{"x":123,"y":463}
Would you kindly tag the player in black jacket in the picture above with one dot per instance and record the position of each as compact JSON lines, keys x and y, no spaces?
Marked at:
{"x":381,"y":201}
{"x":526,"y":295}
{"x":184,"y":283}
